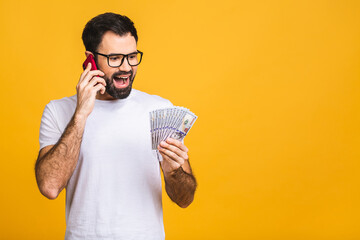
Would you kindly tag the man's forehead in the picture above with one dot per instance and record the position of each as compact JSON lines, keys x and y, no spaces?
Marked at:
{"x":113,"y":43}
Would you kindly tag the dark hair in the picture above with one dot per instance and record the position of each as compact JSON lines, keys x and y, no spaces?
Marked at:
{"x":96,"y":27}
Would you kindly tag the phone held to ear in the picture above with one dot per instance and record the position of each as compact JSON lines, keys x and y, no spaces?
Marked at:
{"x":90,"y":59}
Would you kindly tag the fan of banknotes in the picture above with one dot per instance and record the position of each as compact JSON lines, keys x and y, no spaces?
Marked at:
{"x":172,"y":122}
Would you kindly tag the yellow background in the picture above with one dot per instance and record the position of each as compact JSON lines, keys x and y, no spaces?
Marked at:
{"x":275,"y":85}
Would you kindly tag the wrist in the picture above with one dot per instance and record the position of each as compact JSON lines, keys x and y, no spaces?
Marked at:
{"x":174,"y":173}
{"x":79,"y":117}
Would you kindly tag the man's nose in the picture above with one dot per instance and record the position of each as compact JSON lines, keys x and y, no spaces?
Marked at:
{"x":125,"y":67}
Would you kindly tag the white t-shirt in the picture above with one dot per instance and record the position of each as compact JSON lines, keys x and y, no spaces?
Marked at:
{"x":115,"y":190}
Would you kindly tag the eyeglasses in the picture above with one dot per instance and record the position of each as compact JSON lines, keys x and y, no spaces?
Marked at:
{"x":117,"y":59}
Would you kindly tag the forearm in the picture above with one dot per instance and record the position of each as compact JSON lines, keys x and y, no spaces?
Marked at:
{"x":54,"y":169}
{"x":180,"y":186}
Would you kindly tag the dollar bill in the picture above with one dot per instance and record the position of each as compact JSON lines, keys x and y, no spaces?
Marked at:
{"x":172,"y":122}
{"x":186,"y":123}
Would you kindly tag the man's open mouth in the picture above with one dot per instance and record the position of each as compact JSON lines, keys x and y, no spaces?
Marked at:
{"x":121,"y":81}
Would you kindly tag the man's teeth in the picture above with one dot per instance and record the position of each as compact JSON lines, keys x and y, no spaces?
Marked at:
{"x":123,"y":79}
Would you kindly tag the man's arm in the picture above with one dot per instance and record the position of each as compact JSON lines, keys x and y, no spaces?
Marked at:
{"x":180,"y":183}
{"x":56,"y":164}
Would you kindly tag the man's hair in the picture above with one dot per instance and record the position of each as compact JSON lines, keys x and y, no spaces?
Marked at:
{"x":96,"y":27}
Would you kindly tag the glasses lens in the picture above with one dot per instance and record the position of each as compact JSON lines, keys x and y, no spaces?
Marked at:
{"x":134,"y":59}
{"x":115,"y":60}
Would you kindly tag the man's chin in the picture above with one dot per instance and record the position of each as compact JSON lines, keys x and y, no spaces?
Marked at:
{"x":119,"y":93}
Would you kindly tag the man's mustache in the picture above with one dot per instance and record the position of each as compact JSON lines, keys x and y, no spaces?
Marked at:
{"x":122,"y":73}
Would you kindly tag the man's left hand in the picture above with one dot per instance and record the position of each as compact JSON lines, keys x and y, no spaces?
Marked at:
{"x":174,"y":155}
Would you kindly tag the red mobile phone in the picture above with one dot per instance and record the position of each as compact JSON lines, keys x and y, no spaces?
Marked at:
{"x":90,"y":59}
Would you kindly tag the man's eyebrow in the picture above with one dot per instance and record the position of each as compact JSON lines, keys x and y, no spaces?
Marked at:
{"x":122,"y":53}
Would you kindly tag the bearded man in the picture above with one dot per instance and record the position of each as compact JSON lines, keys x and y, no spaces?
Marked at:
{"x":96,"y":144}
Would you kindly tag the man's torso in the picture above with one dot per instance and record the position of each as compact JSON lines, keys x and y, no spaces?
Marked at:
{"x":115,"y":189}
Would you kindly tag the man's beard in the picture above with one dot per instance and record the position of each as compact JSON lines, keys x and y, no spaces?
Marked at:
{"x":119,"y":93}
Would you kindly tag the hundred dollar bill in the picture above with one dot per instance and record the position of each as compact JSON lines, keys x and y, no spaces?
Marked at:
{"x":152,"y":129}
{"x":172,"y":122}
{"x":186,"y":123}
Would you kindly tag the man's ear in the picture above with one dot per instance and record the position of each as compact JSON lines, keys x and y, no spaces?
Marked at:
{"x":87,"y":53}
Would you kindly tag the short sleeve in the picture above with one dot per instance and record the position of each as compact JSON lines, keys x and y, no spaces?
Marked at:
{"x":169,"y":104}
{"x":49,"y":130}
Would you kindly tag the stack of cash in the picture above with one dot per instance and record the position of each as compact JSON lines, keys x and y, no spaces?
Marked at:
{"x":172,"y":122}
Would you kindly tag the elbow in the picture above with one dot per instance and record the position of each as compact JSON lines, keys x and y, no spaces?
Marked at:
{"x":49,"y":193}
{"x":185,"y":204}
{"x":46,"y":189}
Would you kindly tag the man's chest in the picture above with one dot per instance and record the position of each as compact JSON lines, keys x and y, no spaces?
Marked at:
{"x":117,"y":132}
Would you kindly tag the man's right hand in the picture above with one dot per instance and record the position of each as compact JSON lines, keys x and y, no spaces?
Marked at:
{"x":89,"y":84}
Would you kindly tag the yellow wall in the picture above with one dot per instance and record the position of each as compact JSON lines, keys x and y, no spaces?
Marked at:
{"x":275,"y":85}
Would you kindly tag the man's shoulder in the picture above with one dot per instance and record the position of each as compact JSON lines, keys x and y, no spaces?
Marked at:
{"x":62,"y":106}
{"x":64,"y":101}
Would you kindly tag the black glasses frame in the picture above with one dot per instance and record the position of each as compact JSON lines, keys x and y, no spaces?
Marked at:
{"x":124,"y":56}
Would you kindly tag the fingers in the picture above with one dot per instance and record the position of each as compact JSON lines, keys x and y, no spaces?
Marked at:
{"x":171,"y":163}
{"x":87,"y":69}
{"x":89,"y":85}
{"x":169,"y":155}
{"x":100,"y":88}
{"x":174,"y":152}
{"x":90,"y":78}
{"x":87,"y":74}
{"x":97,"y":80}
{"x":178,"y":144}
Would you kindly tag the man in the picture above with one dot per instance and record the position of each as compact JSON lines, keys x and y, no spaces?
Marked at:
{"x":96,"y":144}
